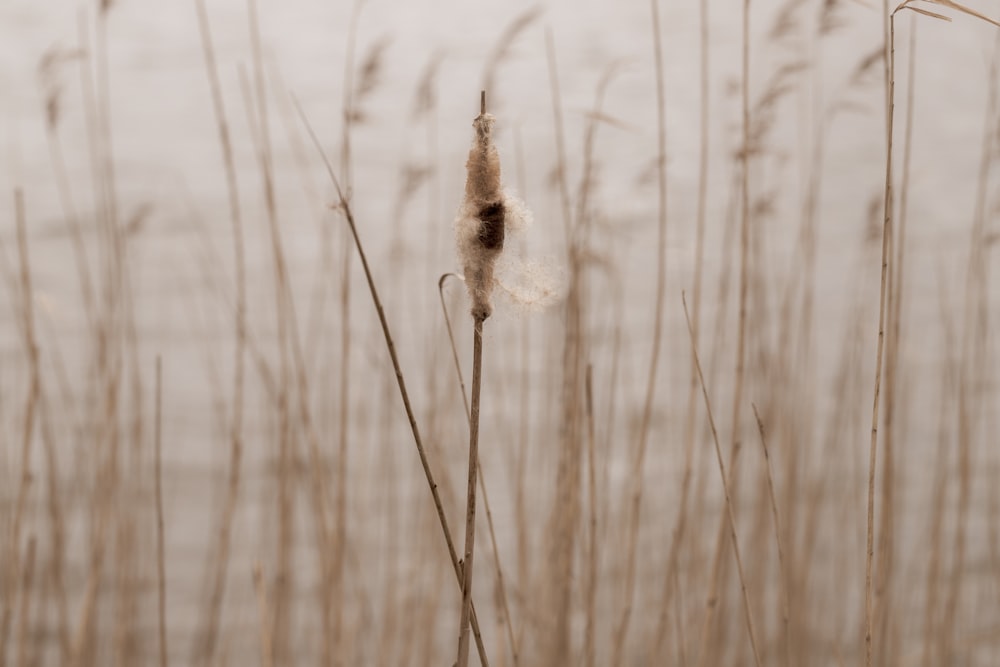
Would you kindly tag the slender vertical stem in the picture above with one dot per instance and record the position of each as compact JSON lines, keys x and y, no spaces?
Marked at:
{"x":680,"y":523}
{"x":563,"y":524}
{"x":264,"y":616}
{"x":621,"y":631}
{"x":744,"y":242}
{"x":24,"y":630}
{"x":470,"y":512}
{"x":744,"y":236}
{"x":344,"y":385}
{"x":470,"y":507}
{"x":73,"y":225}
{"x":550,"y":50}
{"x":885,"y":568}
{"x":451,"y":340}
{"x":240,"y":329}
{"x":12,"y":571}
{"x":777,"y":538}
{"x":726,"y":488}
{"x":712,"y":600}
{"x":591,"y":581}
{"x":950,"y":373}
{"x":161,"y":570}
{"x":973,"y":360}
{"x":508,"y":623}
{"x":873,"y":447}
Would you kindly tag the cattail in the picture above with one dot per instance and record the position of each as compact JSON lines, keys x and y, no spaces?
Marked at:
{"x":480,"y":231}
{"x":486,"y":215}
{"x":482,"y":218}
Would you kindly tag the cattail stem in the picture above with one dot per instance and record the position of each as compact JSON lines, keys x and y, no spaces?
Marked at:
{"x":483,"y":179}
{"x":470,"y":512}
{"x":514,"y":647}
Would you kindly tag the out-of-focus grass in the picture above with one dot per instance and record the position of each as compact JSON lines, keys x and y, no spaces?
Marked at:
{"x":307,"y":534}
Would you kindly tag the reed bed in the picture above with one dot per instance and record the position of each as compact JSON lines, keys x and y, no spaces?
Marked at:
{"x":234,"y":420}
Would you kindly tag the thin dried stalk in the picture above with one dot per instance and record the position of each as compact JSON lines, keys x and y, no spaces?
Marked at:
{"x":886,"y":566}
{"x":564,"y":199}
{"x":291,"y":369}
{"x":57,"y":530}
{"x":886,"y":235}
{"x":949,"y":378}
{"x":344,"y":386}
{"x":60,"y":171}
{"x":23,"y":634}
{"x":218,"y":584}
{"x":563,"y":522}
{"x":973,"y":360}
{"x":161,"y":568}
{"x":635,"y":509}
{"x":508,"y":622}
{"x":298,"y":372}
{"x":263,"y":618}
{"x":680,"y":523}
{"x":590,"y":596}
{"x":725,"y":486}
{"x":12,"y":572}
{"x":777,"y":539}
{"x":736,"y":442}
{"x":470,"y":512}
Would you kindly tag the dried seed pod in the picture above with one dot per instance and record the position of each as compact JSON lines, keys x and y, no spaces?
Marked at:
{"x":482,"y":218}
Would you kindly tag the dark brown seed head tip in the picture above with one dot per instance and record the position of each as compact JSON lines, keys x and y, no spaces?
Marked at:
{"x":491,"y":219}
{"x":482,"y":311}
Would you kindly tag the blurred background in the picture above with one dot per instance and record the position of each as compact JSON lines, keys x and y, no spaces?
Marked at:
{"x":161,"y":198}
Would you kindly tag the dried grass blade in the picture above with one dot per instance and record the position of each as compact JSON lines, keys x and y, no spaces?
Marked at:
{"x":928,"y":13}
{"x":951,"y":4}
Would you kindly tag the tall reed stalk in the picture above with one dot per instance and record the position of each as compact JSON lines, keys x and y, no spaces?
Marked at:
{"x":470,"y":512}
{"x":726,"y":486}
{"x":886,"y":235}
{"x":679,"y":531}
{"x":13,"y":567}
{"x":501,"y":581}
{"x":777,"y":538}
{"x":161,"y":560}
{"x":563,"y":522}
{"x":716,"y":574}
{"x":886,"y":242}
{"x":224,"y":540}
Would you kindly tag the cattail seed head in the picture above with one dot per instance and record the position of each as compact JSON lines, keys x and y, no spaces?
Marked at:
{"x":482,"y":218}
